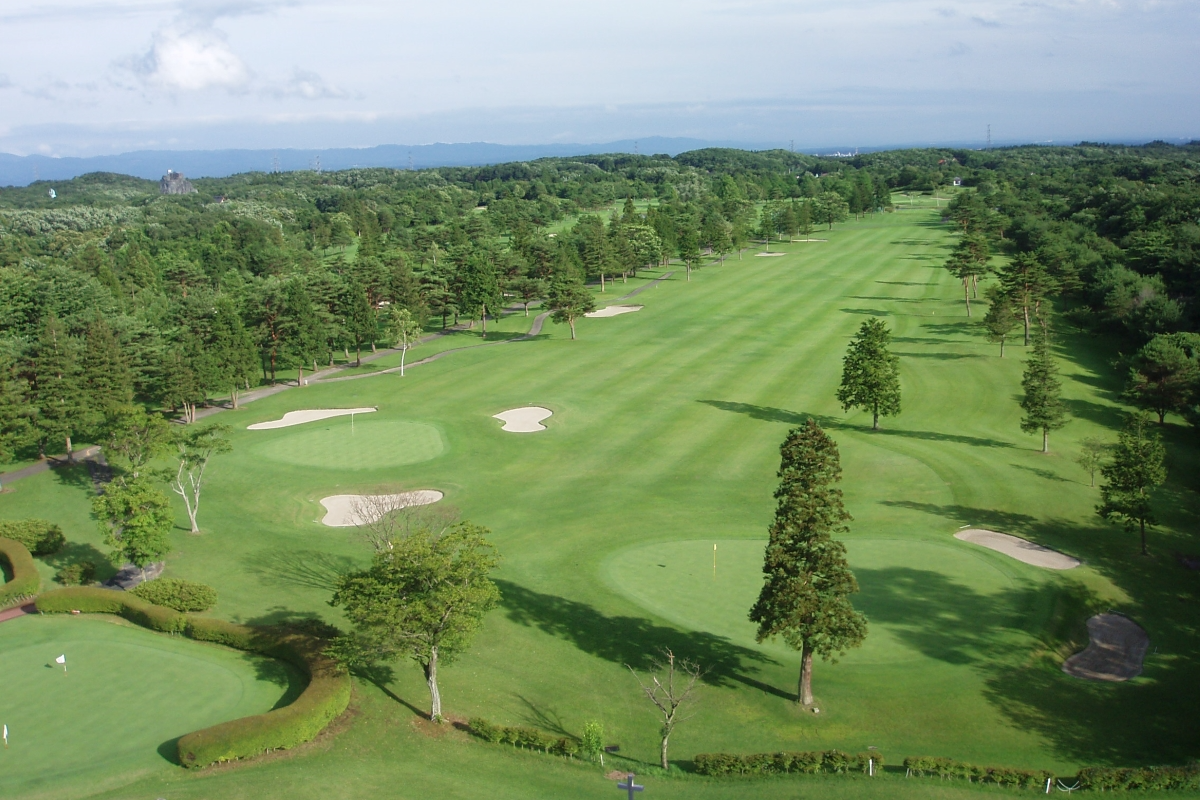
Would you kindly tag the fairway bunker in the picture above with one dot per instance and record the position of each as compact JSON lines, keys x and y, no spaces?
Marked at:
{"x":1116,"y":647}
{"x":1020,"y":549}
{"x":524,"y":420}
{"x":768,"y":255}
{"x":350,"y":510}
{"x":612,"y":311}
{"x":308,"y":415}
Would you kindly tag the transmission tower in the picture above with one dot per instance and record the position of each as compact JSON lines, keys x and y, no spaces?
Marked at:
{"x":792,"y":145}
{"x":989,"y":136}
{"x":275,"y":163}
{"x":410,"y":164}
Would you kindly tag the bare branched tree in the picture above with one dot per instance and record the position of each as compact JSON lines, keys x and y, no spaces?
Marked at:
{"x":384,"y":516}
{"x":672,"y":686}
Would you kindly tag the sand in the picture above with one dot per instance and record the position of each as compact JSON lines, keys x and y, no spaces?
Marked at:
{"x":524,"y":420}
{"x":612,"y":311}
{"x":309,"y":415}
{"x":341,"y":511}
{"x":1020,"y":549}
{"x":1115,"y":653}
{"x":768,"y":255}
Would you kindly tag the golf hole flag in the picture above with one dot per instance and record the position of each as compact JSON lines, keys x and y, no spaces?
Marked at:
{"x":6,"y":736}
{"x":62,"y":660}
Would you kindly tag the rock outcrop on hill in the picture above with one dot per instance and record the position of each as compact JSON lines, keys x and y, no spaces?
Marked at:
{"x":174,"y":183}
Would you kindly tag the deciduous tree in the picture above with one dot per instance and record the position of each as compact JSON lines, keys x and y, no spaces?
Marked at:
{"x":570,"y":300}
{"x":403,"y":331}
{"x":424,"y":598}
{"x":670,"y":687}
{"x":136,"y":521}
{"x":195,"y":447}
{"x":1164,"y":374}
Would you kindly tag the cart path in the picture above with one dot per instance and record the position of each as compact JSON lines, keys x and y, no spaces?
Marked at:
{"x":80,"y":456}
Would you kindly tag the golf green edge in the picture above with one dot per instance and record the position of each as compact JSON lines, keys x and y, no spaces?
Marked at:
{"x":322,"y":701}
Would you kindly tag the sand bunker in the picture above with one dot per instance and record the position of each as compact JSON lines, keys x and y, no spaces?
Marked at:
{"x":309,"y":415}
{"x":1115,"y":652}
{"x":524,"y":420}
{"x":1020,"y":549}
{"x":612,"y":311}
{"x":768,"y":255}
{"x":347,"y":510}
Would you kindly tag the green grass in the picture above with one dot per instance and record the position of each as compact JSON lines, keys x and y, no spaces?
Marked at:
{"x":126,"y":696}
{"x":664,"y":440}
{"x":350,"y":443}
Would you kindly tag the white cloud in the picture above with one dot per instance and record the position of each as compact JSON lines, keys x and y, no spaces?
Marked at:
{"x":307,"y":85}
{"x":190,"y":60}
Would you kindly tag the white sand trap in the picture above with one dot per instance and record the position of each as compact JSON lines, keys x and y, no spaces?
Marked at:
{"x":612,"y":311}
{"x":768,"y":255}
{"x":1115,"y":651}
{"x":1020,"y":549}
{"x":524,"y":420}
{"x":309,"y":415}
{"x":346,"y":510}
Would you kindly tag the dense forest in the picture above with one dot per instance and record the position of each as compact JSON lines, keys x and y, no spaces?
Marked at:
{"x":112,"y":294}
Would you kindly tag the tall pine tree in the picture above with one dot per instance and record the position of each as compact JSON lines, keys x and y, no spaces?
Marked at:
{"x":870,"y":373}
{"x":55,"y":387}
{"x":107,"y":381}
{"x":1042,"y":403}
{"x":1137,"y":466}
{"x":806,"y":591}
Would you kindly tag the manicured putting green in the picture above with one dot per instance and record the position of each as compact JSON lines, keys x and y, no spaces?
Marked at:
{"x":342,"y":444}
{"x":908,"y":587}
{"x":127,"y":694}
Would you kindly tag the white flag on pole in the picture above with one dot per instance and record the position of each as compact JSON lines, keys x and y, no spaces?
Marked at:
{"x":60,"y":660}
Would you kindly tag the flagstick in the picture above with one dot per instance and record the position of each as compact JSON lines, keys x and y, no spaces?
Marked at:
{"x":714,"y":560}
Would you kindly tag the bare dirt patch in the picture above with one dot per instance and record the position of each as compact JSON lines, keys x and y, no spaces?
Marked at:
{"x":1115,"y":651}
{"x":1021,"y":549}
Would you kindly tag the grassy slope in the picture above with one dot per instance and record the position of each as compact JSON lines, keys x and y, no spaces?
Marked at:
{"x":666,"y":429}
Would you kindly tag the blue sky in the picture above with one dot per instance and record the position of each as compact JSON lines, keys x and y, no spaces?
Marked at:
{"x":87,"y":77}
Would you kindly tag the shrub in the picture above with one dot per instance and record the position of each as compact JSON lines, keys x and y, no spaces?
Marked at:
{"x":592,"y":742}
{"x":177,"y":594}
{"x":25,"y":581}
{"x":833,"y":761}
{"x":40,"y":537}
{"x":79,"y":573}
{"x":325,"y":697}
{"x":1001,"y":776}
{"x":1146,"y":778}
{"x":526,"y":737}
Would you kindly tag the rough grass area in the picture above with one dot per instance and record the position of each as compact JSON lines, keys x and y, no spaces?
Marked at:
{"x":666,"y":433}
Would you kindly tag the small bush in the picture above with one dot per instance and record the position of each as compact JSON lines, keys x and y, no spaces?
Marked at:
{"x":1001,"y":776}
{"x":524,"y":737}
{"x":80,"y":573}
{"x":40,"y":537}
{"x":25,"y":581}
{"x":831,"y":761}
{"x":1105,"y":779}
{"x":177,"y":594}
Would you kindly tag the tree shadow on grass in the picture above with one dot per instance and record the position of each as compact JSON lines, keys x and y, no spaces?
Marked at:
{"x":631,"y":641}
{"x":309,"y":569}
{"x":1044,"y":474}
{"x":869,"y":312}
{"x":75,"y":552}
{"x":1123,"y":724}
{"x":941,"y":356}
{"x":771,"y":414}
{"x":1111,"y":417}
{"x":74,"y":475}
{"x":546,"y":718}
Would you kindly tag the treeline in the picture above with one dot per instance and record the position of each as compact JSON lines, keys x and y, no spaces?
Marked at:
{"x":110,"y":291}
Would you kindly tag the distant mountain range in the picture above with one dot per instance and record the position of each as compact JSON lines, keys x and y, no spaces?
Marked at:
{"x":153,"y":164}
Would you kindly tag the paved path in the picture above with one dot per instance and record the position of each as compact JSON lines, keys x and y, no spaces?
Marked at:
{"x":641,"y":289}
{"x":80,"y":456}
{"x":18,"y":611}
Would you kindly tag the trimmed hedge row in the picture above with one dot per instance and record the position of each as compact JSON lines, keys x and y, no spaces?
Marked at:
{"x":177,"y":594}
{"x":25,"y":581}
{"x":322,"y":701}
{"x":1101,"y":779}
{"x":923,"y":766}
{"x":835,"y":761}
{"x":523,"y":737}
{"x":41,"y":537}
